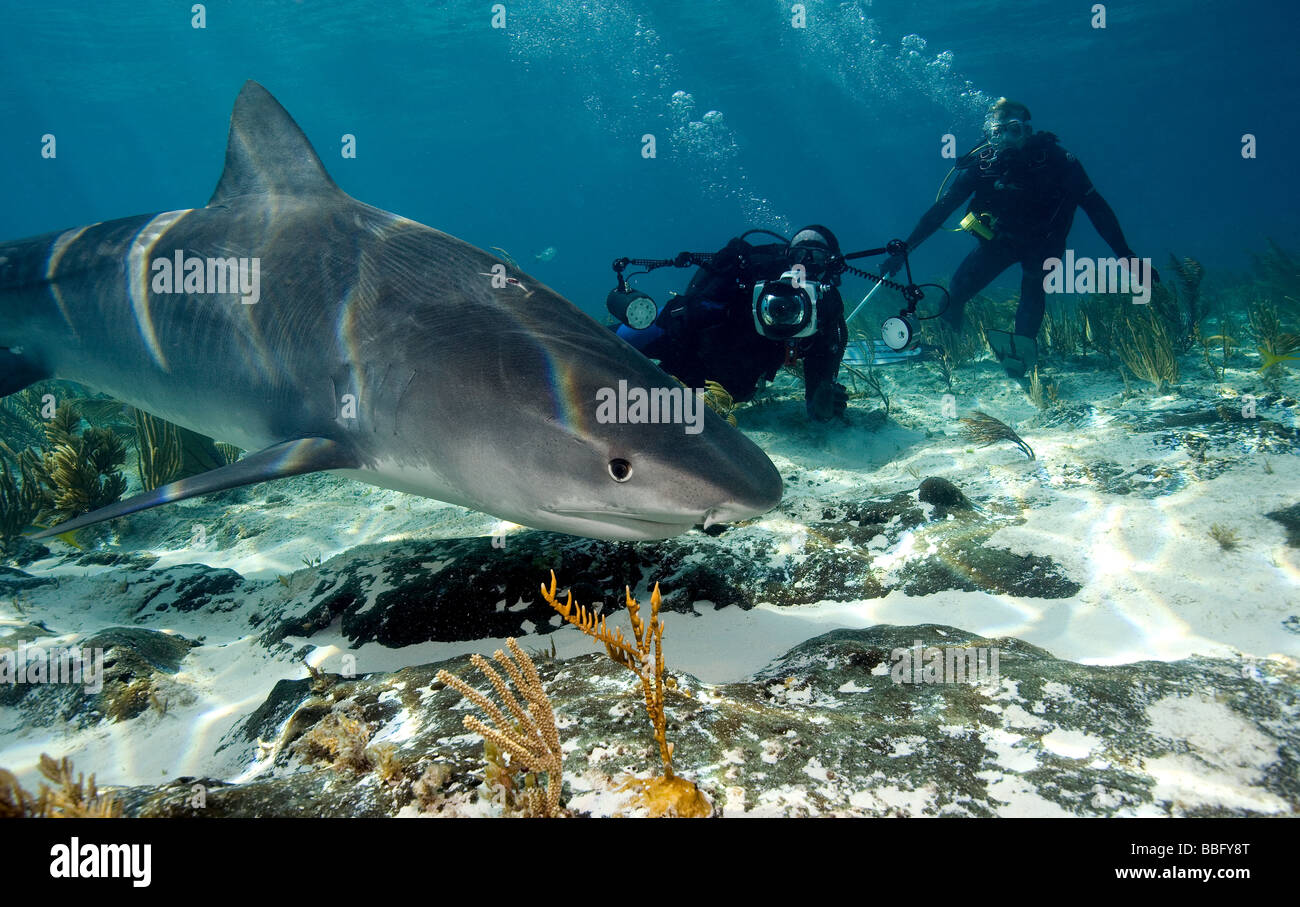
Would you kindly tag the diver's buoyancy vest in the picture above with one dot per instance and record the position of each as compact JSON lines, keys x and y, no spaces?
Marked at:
{"x":1025,"y":192}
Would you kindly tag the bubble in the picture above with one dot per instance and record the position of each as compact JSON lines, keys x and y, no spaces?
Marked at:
{"x":573,"y":41}
{"x":682,"y":105}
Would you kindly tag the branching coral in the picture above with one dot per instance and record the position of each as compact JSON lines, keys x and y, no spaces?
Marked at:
{"x":1225,"y":345}
{"x":1227,"y":538}
{"x":1144,"y":345}
{"x":1275,"y":345}
{"x":667,"y":795}
{"x":158,"y":445}
{"x":984,"y":430}
{"x":531,"y":737}
{"x":82,"y":469}
{"x":20,"y":419}
{"x":79,"y":799}
{"x":871,"y":378}
{"x":1099,"y":313}
{"x":1279,"y":275}
{"x":638,"y":658}
{"x":719,"y":399}
{"x":1042,"y":394}
{"x":338,"y":739}
{"x":21,"y":494}
{"x":952,"y":348}
{"x":1065,"y":330}
{"x":1185,"y":309}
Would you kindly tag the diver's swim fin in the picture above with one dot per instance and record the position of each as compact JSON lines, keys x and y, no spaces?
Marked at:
{"x":279,"y":461}
{"x":866,"y":352}
{"x":1017,"y":353}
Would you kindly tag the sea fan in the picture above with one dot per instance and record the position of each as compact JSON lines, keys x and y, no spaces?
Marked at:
{"x":984,"y":430}
{"x":717,"y":398}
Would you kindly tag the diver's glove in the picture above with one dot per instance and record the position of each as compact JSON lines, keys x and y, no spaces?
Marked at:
{"x":1155,"y":275}
{"x":893,"y":264}
{"x":828,"y":400}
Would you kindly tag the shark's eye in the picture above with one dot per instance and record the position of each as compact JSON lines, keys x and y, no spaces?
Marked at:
{"x":620,"y":470}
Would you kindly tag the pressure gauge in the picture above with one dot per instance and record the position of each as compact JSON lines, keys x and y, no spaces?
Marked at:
{"x":899,"y":332}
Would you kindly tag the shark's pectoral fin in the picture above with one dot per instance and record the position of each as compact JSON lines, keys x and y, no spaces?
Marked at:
{"x":17,"y":372}
{"x":290,"y":458}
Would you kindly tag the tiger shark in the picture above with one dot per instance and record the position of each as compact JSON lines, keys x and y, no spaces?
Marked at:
{"x":372,"y":346}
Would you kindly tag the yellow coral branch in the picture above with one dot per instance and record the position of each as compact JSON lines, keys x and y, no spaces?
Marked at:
{"x":638,"y":660}
{"x":532,"y":738}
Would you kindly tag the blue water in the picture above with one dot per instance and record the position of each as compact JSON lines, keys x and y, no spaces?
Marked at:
{"x":530,"y":137}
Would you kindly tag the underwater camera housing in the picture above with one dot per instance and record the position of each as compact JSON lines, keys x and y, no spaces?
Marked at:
{"x":786,"y":308}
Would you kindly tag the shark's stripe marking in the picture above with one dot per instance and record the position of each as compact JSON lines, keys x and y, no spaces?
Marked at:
{"x":61,"y":245}
{"x":137,"y":277}
{"x":67,"y":238}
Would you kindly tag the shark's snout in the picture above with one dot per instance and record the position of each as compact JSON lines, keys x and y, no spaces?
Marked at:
{"x":665,"y":502}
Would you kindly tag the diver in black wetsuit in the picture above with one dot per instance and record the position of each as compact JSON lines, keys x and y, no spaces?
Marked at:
{"x":1025,"y":190}
{"x":721,"y":330}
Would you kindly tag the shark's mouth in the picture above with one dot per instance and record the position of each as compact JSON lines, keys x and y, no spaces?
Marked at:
{"x":615,"y":524}
{"x":621,"y":526}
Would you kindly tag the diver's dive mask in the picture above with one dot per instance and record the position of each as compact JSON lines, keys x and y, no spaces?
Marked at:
{"x":786,"y":309}
{"x":1003,"y":134}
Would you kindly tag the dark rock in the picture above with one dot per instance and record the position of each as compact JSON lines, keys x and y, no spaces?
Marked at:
{"x":1289,"y":517}
{"x":839,"y":725}
{"x":21,"y":634}
{"x":22,"y":551}
{"x":454,"y":589}
{"x":188,"y":587}
{"x":105,"y":558}
{"x":996,"y":569}
{"x":14,"y":581}
{"x":941,"y":492}
{"x":135,"y":661}
{"x":147,"y":649}
{"x":315,"y":794}
{"x":269,"y":717}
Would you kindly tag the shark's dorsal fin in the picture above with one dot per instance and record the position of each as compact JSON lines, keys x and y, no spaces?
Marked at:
{"x":267,"y":154}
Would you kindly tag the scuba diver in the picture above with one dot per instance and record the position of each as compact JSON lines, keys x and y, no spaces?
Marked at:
{"x":1025,"y":190}
{"x":748,"y":310}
